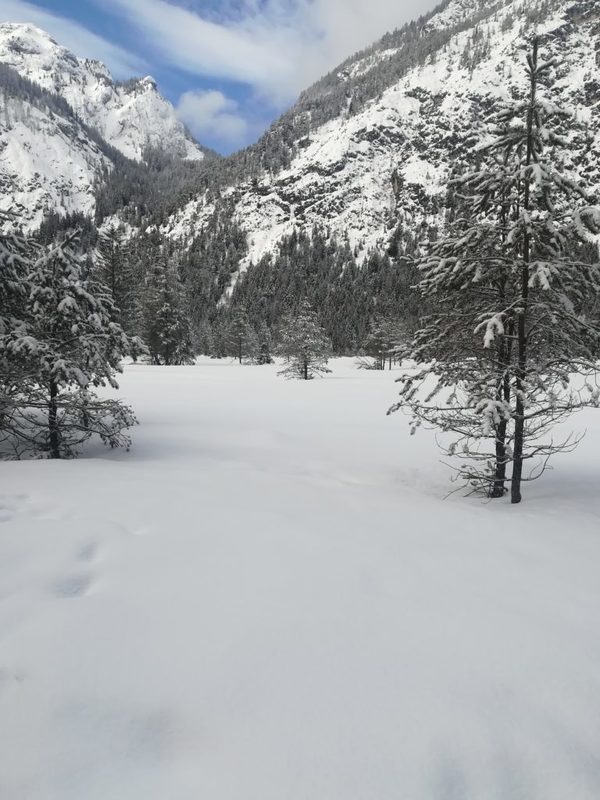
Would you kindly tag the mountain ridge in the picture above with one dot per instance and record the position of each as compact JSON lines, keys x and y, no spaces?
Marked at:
{"x":385,"y":161}
{"x":130,"y":115}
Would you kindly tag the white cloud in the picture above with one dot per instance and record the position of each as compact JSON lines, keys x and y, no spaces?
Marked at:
{"x":188,"y":41}
{"x":210,"y":113}
{"x":278,"y":47}
{"x":75,"y":37}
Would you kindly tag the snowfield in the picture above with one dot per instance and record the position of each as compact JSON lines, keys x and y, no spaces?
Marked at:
{"x":270,"y":599}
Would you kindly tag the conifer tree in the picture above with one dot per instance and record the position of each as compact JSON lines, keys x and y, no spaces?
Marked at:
{"x":114,"y":269}
{"x":241,"y":338}
{"x":510,"y":295}
{"x":304,"y":345}
{"x":265,"y":344}
{"x":385,"y":339}
{"x":16,"y":255}
{"x":165,"y":323}
{"x":205,"y":339}
{"x":72,"y":346}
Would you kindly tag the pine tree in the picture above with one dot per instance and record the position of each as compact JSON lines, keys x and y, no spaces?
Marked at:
{"x":72,"y":346}
{"x":241,"y":341}
{"x":304,"y":345}
{"x":114,"y":268}
{"x":265,"y":344}
{"x":386,"y":338}
{"x":510,"y":297}
{"x":205,"y":339}
{"x":165,"y":323}
{"x":16,"y":343}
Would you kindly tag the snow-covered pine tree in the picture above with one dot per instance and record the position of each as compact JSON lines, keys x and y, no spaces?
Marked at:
{"x":74,"y":346}
{"x":265,"y":344}
{"x":165,"y":322}
{"x":113,"y":266}
{"x":205,"y":339}
{"x":241,"y":339}
{"x":304,"y":345}
{"x":554,"y":213}
{"x":385,"y":338}
{"x":16,"y":343}
{"x":495,"y":360}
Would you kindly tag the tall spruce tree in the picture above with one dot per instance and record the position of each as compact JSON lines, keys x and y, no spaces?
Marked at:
{"x":495,"y":361}
{"x":241,"y":339}
{"x":265,"y":344}
{"x":165,"y":323}
{"x":114,"y":268}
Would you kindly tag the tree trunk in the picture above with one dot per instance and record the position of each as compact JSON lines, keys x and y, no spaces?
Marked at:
{"x":503,"y":394}
{"x":499,"y":486}
{"x":53,"y":421}
{"x":305,"y":370}
{"x":521,"y":370}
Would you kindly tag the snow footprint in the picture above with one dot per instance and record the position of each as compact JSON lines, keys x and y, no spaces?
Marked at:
{"x":71,"y":586}
{"x":78,"y":582}
{"x":87,"y":552}
{"x":10,"y":505}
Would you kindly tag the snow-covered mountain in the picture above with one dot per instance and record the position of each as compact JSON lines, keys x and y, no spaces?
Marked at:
{"x":371,"y":146}
{"x":129,"y":116}
{"x":64,"y":124}
{"x":49,"y":160}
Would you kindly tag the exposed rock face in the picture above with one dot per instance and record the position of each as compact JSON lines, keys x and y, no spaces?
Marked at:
{"x":362,"y":173}
{"x":129,"y":115}
{"x":62,"y":127}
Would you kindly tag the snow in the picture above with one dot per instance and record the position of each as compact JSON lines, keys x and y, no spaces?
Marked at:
{"x":129,"y":117}
{"x":342,"y":177}
{"x":46,"y":164}
{"x":269,"y":598}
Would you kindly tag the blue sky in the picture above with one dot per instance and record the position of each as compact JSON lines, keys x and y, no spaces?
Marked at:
{"x":229,"y":66}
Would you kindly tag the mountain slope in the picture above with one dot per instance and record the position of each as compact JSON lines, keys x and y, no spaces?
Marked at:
{"x":49,"y":160}
{"x":130,"y":116}
{"x":371,"y":146}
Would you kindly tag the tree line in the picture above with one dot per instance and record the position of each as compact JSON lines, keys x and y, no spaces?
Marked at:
{"x":496,"y":314}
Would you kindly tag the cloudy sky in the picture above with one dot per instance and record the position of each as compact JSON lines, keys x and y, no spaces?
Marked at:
{"x":229,"y":66}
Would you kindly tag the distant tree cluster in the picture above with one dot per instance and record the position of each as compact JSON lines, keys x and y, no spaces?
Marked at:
{"x":346,"y":295}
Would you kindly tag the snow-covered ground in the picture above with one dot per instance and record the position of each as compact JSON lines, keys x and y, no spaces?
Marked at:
{"x":269,"y":599}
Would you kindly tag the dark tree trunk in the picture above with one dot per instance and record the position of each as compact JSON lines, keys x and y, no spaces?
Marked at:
{"x":498,"y":488}
{"x":305,"y":370}
{"x":499,"y":485}
{"x":53,"y":421}
{"x":521,"y":371}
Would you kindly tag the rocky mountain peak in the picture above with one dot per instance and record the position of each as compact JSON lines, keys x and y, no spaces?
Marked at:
{"x":130,"y":115}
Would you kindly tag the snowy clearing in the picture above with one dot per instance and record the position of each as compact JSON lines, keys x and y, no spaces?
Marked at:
{"x":269,"y":599}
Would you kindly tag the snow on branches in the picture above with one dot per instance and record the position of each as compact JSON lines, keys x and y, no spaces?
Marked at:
{"x":58,"y":344}
{"x":511,"y":344}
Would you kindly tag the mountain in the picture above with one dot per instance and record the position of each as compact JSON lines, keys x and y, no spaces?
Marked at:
{"x":368,"y":150}
{"x":129,"y":116}
{"x":355,"y":173}
{"x":65,"y":125}
{"x":49,"y":160}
